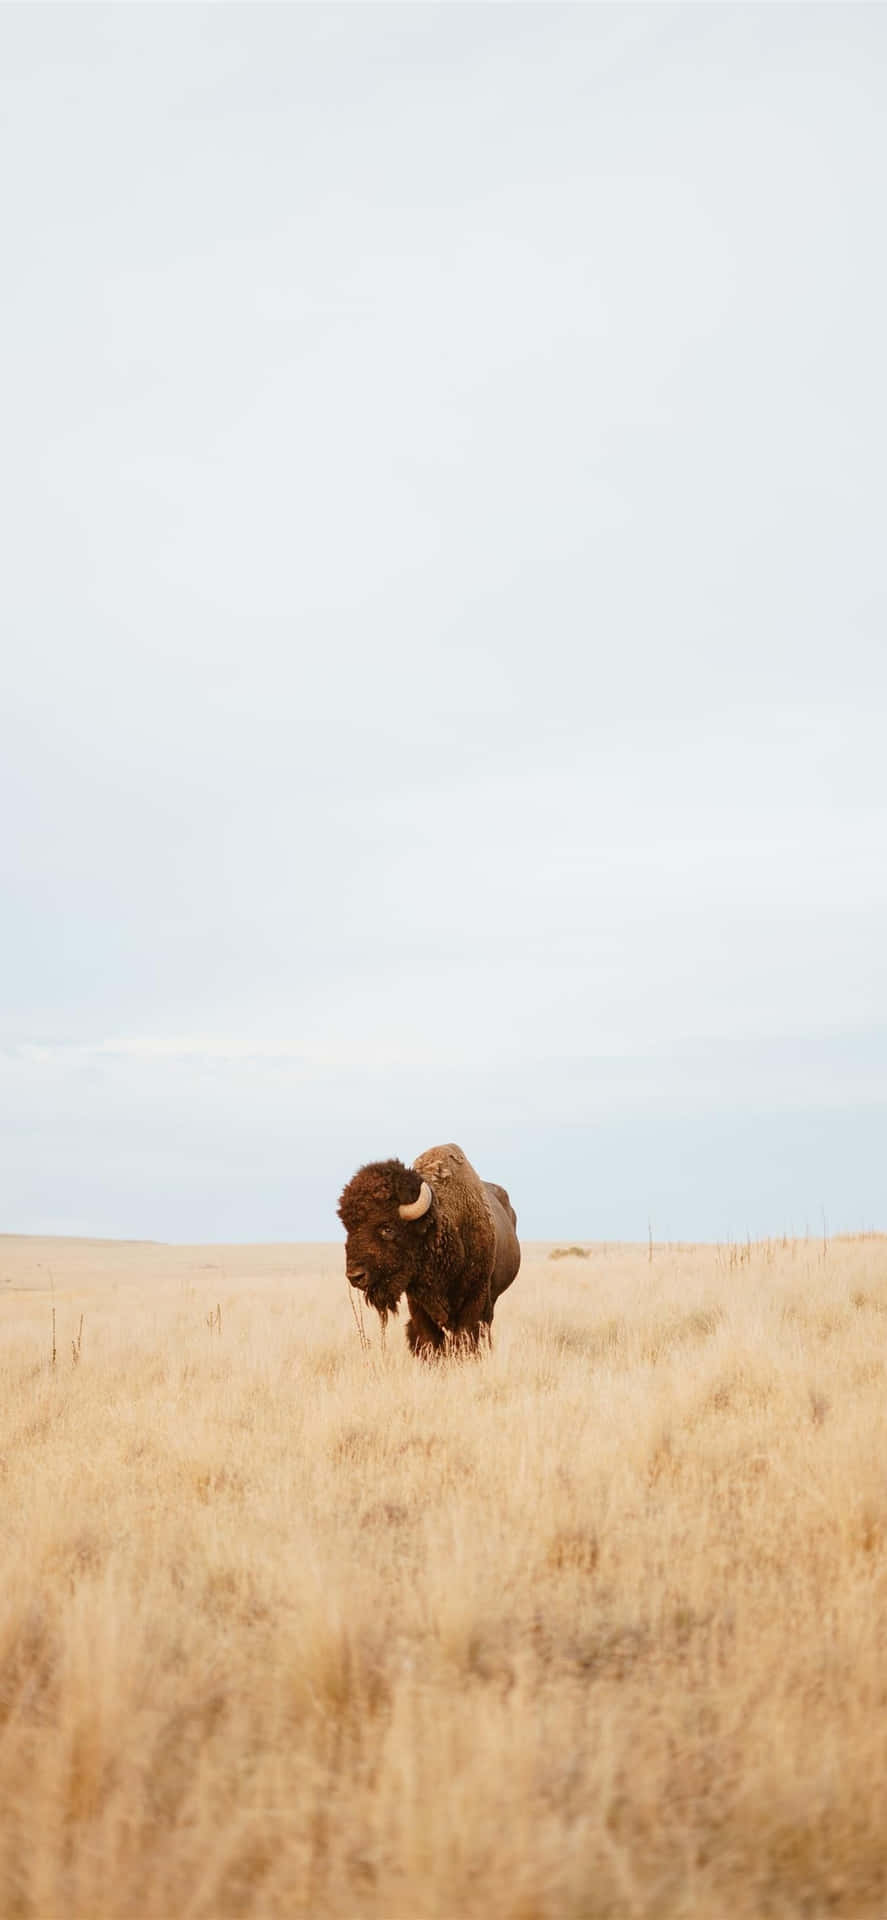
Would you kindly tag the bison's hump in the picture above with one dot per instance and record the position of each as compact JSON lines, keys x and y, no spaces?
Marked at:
{"x":442,"y":1163}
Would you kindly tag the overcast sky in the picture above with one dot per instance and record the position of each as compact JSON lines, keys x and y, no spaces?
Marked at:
{"x":443,"y":606}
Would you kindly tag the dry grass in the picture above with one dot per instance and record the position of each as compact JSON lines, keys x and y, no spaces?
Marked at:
{"x":595,"y":1626}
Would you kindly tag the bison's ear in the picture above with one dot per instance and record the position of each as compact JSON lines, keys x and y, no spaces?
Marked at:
{"x":413,"y":1195}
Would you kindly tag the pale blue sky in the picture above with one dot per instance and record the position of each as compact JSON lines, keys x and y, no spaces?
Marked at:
{"x":444,"y":613}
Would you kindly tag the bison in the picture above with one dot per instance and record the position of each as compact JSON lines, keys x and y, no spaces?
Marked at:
{"x":437,"y":1232}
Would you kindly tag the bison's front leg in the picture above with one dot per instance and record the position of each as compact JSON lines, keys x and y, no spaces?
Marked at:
{"x":472,"y":1328}
{"x":424,"y":1337}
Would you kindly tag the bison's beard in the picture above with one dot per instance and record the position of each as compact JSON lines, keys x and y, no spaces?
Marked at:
{"x":385,"y":1299}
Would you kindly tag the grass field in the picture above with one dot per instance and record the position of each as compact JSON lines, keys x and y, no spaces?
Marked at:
{"x":593,"y":1626}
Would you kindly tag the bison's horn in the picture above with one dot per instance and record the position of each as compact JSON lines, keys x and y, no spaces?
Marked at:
{"x":417,"y":1207}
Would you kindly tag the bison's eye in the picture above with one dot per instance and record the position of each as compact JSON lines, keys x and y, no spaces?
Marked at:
{"x":386,"y":1233}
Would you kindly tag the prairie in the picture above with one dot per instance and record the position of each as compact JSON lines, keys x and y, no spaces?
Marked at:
{"x":593,"y":1626}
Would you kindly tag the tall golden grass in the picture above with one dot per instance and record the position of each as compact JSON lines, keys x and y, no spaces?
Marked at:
{"x":593,"y":1626}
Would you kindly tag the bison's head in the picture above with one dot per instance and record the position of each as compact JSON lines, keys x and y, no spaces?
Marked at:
{"x":387,"y":1211}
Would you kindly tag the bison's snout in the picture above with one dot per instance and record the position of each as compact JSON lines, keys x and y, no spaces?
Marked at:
{"x":357,"y":1276}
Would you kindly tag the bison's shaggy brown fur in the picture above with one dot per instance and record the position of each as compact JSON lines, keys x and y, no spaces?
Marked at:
{"x":452,"y":1262}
